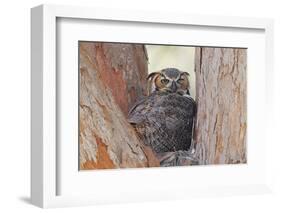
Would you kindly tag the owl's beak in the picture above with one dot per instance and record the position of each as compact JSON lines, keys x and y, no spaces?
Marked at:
{"x":174,"y":87}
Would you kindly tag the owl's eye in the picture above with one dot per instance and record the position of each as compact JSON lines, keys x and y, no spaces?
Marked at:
{"x":164,"y":81}
{"x":180,"y":80}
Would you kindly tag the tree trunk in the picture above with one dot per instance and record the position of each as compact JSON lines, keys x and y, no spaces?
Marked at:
{"x":220,"y":130}
{"x":122,"y":68}
{"x":112,"y":78}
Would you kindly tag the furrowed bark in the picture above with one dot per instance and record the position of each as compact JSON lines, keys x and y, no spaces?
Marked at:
{"x":112,"y":78}
{"x":220,"y":130}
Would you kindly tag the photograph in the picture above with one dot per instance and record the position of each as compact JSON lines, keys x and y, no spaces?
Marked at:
{"x":160,"y":105}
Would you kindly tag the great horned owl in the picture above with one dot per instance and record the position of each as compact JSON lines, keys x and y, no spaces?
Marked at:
{"x":164,"y":119}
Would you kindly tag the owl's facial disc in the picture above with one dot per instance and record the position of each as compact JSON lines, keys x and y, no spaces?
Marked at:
{"x":172,"y":80}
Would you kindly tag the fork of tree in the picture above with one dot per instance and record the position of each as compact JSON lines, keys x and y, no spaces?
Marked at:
{"x":112,"y":78}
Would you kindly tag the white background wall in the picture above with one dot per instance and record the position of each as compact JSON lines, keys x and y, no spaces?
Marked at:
{"x":15,"y":99}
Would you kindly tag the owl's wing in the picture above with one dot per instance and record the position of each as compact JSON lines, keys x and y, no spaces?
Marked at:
{"x":143,"y":117}
{"x":134,"y":116}
{"x":138,"y":112}
{"x":192,"y":102}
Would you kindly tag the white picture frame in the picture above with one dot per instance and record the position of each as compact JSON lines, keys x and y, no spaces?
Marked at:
{"x":44,"y":153}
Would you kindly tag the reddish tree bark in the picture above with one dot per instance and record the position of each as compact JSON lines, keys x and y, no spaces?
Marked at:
{"x":112,"y":78}
{"x":122,"y":68}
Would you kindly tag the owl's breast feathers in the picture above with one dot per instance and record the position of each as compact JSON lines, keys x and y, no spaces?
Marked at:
{"x":164,"y":121}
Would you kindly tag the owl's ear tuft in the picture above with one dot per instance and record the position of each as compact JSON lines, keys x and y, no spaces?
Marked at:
{"x":186,"y":73}
{"x":152,"y":75}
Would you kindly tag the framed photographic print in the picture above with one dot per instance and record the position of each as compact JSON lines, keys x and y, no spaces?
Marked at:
{"x":131,"y":105}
